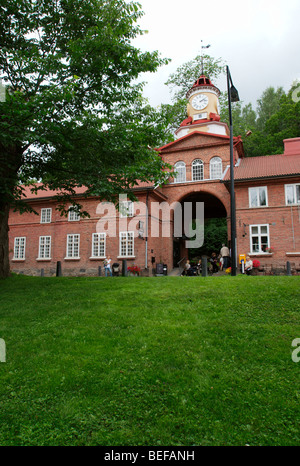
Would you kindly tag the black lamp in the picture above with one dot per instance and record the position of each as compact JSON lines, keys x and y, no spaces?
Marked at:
{"x":233,"y":96}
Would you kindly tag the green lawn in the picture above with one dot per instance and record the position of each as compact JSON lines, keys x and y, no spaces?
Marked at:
{"x":149,"y":361}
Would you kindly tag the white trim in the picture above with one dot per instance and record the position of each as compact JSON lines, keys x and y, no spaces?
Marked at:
{"x":293,"y":186}
{"x":257,"y":188}
{"x":100,"y":241}
{"x":128,"y":207}
{"x":73,"y":257}
{"x":211,"y":164}
{"x":181,"y":173}
{"x":18,"y":247}
{"x":203,"y":89}
{"x":197,"y":163}
{"x":259,"y":235}
{"x":126,"y":257}
{"x":45,"y":211}
{"x":124,"y":237}
{"x":50,"y":244}
{"x":74,"y":214}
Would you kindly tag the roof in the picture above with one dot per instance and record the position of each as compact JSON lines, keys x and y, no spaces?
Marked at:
{"x":49,"y":193}
{"x":268,"y":166}
{"x":45,"y":193}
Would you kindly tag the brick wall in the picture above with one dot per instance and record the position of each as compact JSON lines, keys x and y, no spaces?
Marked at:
{"x":283,"y":221}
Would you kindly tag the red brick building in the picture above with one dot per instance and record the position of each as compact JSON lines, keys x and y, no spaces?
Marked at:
{"x":267,"y":191}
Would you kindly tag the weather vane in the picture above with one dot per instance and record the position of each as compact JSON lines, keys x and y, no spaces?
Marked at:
{"x":203,"y":47}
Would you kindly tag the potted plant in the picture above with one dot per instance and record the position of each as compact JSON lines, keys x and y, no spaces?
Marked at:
{"x":134,"y":270}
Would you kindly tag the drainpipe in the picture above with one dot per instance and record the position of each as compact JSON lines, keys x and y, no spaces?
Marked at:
{"x":146,"y":238}
{"x":292,"y":218}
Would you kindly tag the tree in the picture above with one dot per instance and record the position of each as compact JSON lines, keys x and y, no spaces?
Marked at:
{"x":72,"y":115}
{"x":215,"y":234}
{"x":283,"y":123}
{"x":180,"y":82}
{"x":185,"y":75}
{"x":267,"y":105}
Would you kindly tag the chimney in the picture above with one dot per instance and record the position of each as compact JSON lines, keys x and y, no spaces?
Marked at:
{"x":292,"y":146}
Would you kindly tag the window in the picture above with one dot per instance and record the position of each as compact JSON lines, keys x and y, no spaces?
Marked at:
{"x":19,"y":248}
{"x":259,"y":237}
{"x":258,"y":197}
{"x":45,"y":247}
{"x":46,"y":215}
{"x":73,"y":246}
{"x":215,"y":168}
{"x":197,"y":169}
{"x":292,"y":194}
{"x":126,"y":209}
{"x":73,"y":216}
{"x":180,"y":175}
{"x":98,"y":244}
{"x":126,"y":243}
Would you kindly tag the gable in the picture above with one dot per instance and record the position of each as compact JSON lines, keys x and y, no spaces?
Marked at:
{"x":194,"y":140}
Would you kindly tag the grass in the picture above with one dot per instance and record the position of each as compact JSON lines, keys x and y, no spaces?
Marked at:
{"x":149,"y":361}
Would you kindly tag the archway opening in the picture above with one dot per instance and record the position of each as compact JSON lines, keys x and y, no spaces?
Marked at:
{"x":215,"y":228}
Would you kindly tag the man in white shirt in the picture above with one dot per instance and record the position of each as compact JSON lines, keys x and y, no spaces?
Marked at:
{"x":225,"y":254}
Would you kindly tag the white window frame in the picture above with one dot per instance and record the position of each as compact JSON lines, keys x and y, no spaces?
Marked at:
{"x":126,"y":209}
{"x":73,"y":216}
{"x":73,"y":246}
{"x":98,"y":245}
{"x":126,"y":246}
{"x":180,"y":177}
{"x":215,"y":168}
{"x":19,"y":248}
{"x":294,"y":188}
{"x":259,"y":235}
{"x":257,"y":190}
{"x":44,"y":247}
{"x":198,"y":169}
{"x":46,"y":215}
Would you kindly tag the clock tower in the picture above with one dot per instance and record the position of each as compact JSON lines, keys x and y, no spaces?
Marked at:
{"x":203,"y":110}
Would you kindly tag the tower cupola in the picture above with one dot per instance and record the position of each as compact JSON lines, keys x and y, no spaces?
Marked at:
{"x":203,"y":109}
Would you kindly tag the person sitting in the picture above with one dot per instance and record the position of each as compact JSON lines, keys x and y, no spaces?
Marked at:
{"x":213,"y":261}
{"x":186,"y":268}
{"x":199,"y":267}
{"x":248,"y":265}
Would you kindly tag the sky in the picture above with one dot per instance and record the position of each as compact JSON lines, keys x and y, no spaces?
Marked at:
{"x":258,"y":39}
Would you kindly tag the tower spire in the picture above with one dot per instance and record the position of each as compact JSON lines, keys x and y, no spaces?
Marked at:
{"x":203,"y":47}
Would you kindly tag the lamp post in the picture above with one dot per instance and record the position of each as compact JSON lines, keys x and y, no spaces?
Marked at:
{"x":233,"y":96}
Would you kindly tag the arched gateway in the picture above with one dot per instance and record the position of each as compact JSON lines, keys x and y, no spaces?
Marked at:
{"x":200,"y":211}
{"x":200,"y":156}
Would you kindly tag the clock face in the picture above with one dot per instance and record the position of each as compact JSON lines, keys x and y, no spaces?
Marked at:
{"x":200,"y":101}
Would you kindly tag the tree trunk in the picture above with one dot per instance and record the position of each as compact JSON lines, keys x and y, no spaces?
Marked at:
{"x":4,"y":251}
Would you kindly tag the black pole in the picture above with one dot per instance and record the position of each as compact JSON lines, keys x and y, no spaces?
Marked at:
{"x":232,"y":195}
{"x":58,"y":269}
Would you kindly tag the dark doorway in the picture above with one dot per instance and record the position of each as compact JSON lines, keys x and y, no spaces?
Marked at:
{"x":215,"y":227}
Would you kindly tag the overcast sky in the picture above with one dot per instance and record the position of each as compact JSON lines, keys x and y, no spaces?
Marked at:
{"x":258,"y":39}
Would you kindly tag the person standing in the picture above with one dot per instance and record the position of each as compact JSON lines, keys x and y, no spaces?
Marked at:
{"x":225,"y":254}
{"x":107,"y":266}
